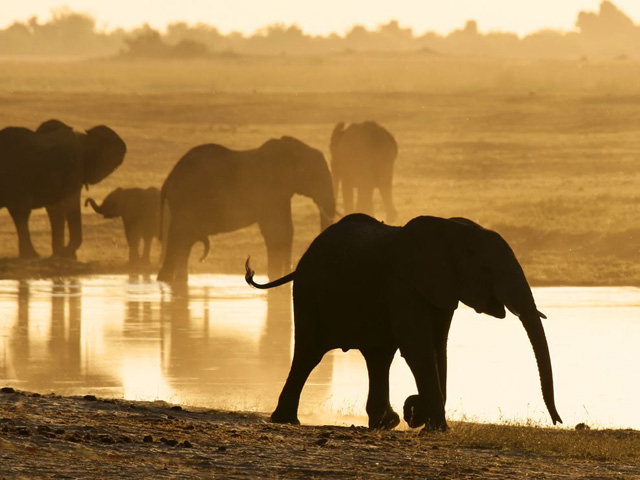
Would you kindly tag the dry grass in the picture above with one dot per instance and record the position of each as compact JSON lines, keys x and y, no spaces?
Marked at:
{"x":601,"y":445}
{"x":544,"y":152}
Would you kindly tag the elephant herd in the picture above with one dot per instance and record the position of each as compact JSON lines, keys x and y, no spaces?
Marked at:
{"x":360,"y":285}
{"x":211,"y":189}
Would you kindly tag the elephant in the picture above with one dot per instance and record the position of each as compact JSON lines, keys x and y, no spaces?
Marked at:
{"x":140,"y":212}
{"x":379,"y":288}
{"x":362,"y":158}
{"x":213,"y":189}
{"x":47,"y":168}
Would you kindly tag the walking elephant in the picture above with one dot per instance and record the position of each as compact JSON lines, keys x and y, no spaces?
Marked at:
{"x":213,"y":189}
{"x":139,"y":209}
{"x":362,"y":159}
{"x":47,"y":168}
{"x":378,"y":288}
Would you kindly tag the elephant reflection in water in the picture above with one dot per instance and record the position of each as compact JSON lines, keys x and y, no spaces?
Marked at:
{"x":207,"y":354}
{"x":61,"y":362}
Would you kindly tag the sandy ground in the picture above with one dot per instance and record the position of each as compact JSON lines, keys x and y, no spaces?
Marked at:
{"x":48,"y":436}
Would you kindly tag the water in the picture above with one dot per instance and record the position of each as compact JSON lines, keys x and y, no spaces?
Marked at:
{"x":224,"y":345}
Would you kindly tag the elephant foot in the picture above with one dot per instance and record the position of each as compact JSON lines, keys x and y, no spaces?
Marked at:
{"x":277,"y":417}
{"x":437,"y":427}
{"x":389,"y":420}
{"x":66,"y":252}
{"x":29,"y":254}
{"x":413,"y":412}
{"x":415,"y":415}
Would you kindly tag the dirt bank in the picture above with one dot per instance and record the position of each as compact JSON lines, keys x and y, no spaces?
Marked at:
{"x":48,"y":436}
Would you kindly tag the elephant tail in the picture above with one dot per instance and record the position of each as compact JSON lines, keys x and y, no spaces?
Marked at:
{"x":276,"y":283}
{"x":207,"y":247}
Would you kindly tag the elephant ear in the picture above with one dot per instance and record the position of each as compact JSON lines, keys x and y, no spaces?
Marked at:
{"x":477,"y":259}
{"x":422,"y":260}
{"x":104,"y":152}
{"x":449,"y":261}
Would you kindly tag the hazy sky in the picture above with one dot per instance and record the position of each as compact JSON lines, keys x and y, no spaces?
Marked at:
{"x":323,"y":16}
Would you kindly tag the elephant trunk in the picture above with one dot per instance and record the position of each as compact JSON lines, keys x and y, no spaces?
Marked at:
{"x":97,"y":208}
{"x":533,"y":325}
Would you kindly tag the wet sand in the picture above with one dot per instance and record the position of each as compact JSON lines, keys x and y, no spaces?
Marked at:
{"x":48,"y":436}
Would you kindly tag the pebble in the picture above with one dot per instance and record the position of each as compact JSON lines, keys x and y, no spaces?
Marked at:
{"x":90,"y":398}
{"x":7,"y":390}
{"x":108,"y":439}
{"x":147,"y":439}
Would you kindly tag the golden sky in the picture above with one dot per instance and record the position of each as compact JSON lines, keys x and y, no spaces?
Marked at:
{"x":321,"y":17}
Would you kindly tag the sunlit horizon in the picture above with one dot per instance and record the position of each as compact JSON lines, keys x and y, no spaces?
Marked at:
{"x":332,"y":16}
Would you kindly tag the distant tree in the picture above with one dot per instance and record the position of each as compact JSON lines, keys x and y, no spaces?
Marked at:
{"x":609,"y":32}
{"x":146,"y":42}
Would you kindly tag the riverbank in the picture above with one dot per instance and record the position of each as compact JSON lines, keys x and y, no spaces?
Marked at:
{"x":72,"y":437}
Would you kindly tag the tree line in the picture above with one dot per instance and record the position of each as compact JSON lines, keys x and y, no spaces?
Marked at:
{"x":607,"y":33}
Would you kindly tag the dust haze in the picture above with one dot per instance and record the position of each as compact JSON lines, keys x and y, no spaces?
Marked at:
{"x":535,"y":137}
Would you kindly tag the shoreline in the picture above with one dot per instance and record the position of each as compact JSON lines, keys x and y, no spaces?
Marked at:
{"x":89,"y":437}
{"x":51,"y":268}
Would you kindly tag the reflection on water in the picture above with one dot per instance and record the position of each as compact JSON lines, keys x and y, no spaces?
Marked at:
{"x":221,"y":344}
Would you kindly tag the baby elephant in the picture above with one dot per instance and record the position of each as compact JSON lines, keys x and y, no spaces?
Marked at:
{"x":140,"y":212}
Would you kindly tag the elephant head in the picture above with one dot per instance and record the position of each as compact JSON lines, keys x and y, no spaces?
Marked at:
{"x":102,"y":149}
{"x":104,"y":152}
{"x":310,"y":175}
{"x":111,"y":205}
{"x":449,"y":261}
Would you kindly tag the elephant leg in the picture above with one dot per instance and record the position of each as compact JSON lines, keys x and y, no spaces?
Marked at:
{"x":170,"y":261}
{"x":56,"y":214}
{"x":381,"y":415}
{"x":347,"y":196}
{"x":74,"y":222}
{"x":441,"y":337}
{"x":415,"y":327}
{"x":304,"y":361}
{"x":390,"y":212}
{"x":20,"y":216}
{"x":422,"y":360}
{"x":365,"y":199}
{"x":278,"y":236}
{"x":133,"y":241}
{"x":146,"y":249}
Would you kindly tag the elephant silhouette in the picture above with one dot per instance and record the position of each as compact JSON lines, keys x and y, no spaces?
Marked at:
{"x":362,"y":159}
{"x":47,"y":168}
{"x":378,"y":288}
{"x":139,"y":209}
{"x":213,"y":189}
